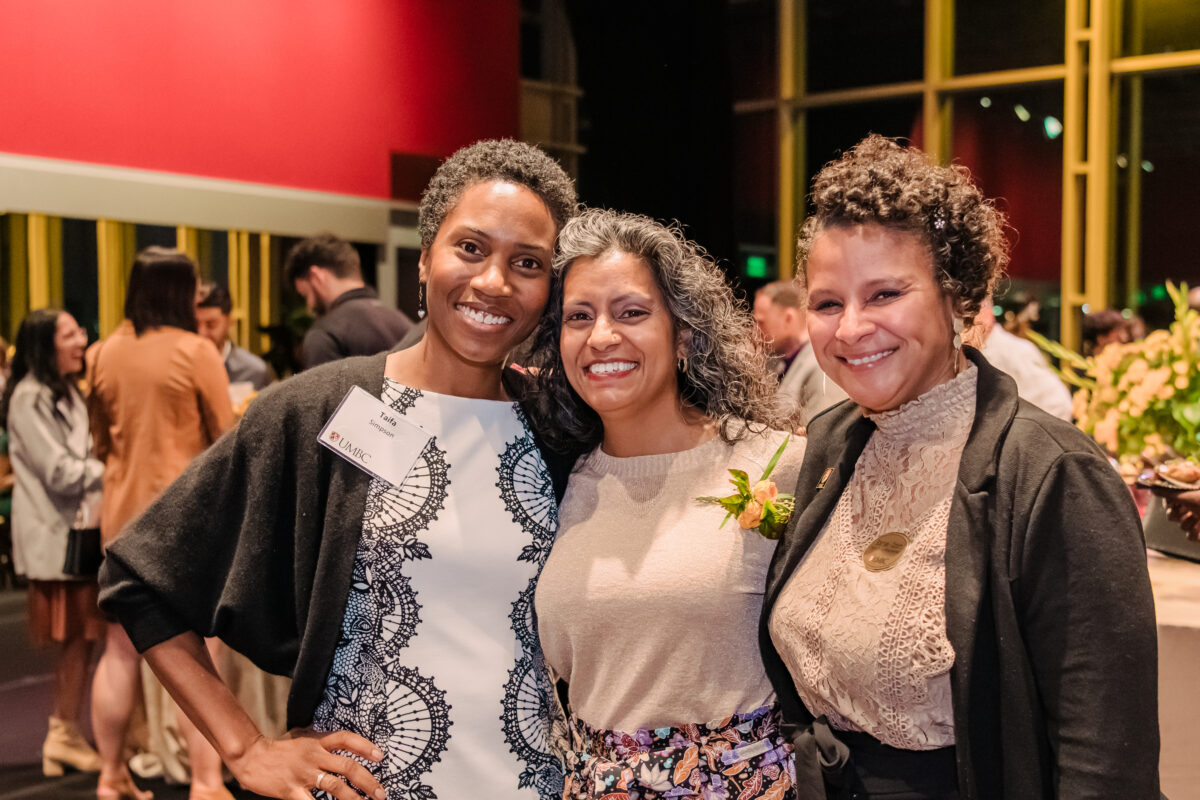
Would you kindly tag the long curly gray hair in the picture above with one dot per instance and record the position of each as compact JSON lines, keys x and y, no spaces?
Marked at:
{"x":723,"y":372}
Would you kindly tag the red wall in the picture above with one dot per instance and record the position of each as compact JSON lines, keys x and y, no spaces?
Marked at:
{"x":303,"y":93}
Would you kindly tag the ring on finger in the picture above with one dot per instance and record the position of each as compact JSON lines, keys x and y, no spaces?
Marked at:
{"x":321,"y":775}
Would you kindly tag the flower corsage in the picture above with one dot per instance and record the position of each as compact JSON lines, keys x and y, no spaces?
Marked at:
{"x":760,"y":508}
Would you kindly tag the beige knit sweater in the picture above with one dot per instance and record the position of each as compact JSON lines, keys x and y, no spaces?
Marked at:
{"x":646,"y":606}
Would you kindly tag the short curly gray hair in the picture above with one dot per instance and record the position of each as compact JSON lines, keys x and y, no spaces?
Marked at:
{"x":725,"y":373}
{"x":495,"y":160}
{"x":882,"y":182}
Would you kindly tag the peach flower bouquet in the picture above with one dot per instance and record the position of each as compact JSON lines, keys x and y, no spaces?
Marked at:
{"x":759,"y":507}
{"x":1141,"y":401}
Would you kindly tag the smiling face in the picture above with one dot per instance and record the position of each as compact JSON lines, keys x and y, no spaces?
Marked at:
{"x":618,"y":341}
{"x":880,"y":325}
{"x":69,"y":343}
{"x":487,"y":273}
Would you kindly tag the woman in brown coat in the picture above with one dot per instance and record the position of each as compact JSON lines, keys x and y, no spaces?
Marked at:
{"x":160,"y":396}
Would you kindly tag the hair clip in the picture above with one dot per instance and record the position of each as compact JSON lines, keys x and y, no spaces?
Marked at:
{"x":939,"y":218}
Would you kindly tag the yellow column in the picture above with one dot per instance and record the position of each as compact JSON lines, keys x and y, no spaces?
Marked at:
{"x":1097,"y":241}
{"x":38,"y":244}
{"x":239,"y":285}
{"x":792,"y":85}
{"x":264,"y":290}
{"x":241,"y":300}
{"x":115,"y":245}
{"x":187,"y":241}
{"x":18,"y":272}
{"x":939,"y":65}
{"x":1075,"y":169}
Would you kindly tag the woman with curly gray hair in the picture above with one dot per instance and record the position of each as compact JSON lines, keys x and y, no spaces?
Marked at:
{"x":647,"y":361}
{"x":961,"y":608}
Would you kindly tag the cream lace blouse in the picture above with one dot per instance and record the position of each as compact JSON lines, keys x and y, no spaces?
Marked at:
{"x":868,"y":649}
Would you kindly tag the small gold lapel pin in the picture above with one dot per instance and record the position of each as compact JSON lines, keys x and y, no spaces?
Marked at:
{"x":824,"y":477}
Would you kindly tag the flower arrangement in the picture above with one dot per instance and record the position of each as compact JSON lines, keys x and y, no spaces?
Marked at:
{"x":760,"y":507}
{"x":1141,"y":401}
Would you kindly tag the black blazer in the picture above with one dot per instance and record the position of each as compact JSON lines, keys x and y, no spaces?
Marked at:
{"x":1048,"y":602}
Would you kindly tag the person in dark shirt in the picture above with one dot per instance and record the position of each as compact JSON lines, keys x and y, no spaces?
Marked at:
{"x":351,"y":319}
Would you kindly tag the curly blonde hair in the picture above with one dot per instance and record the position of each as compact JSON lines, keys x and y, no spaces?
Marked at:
{"x":724,"y":371}
{"x":882,"y":182}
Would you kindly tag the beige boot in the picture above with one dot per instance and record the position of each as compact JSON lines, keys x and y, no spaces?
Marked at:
{"x":66,"y":747}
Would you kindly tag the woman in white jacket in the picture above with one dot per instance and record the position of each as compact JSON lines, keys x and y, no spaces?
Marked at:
{"x":56,"y":476}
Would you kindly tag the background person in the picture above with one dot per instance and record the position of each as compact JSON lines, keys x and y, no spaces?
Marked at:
{"x":401,"y":612}
{"x":351,"y":320}
{"x":159,"y":398}
{"x":1024,"y":362}
{"x":962,"y":608}
{"x":779,"y":313}
{"x":57,"y":483}
{"x":1102,"y":328}
{"x":214,"y":310}
{"x":647,"y":605}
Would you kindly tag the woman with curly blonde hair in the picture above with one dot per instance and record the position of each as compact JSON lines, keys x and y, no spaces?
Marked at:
{"x":647,"y":605}
{"x":960,"y":606}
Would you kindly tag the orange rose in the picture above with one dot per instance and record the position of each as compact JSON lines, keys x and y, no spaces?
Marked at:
{"x":765,"y":492}
{"x":752,"y":516}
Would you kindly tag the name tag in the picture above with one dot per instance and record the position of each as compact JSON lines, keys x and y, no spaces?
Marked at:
{"x":372,"y":436}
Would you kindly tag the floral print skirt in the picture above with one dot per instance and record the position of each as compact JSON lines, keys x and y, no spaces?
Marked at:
{"x":743,"y":757}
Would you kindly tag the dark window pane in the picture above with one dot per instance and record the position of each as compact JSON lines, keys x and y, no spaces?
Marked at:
{"x":1158,"y":189}
{"x":864,"y":42}
{"x":754,"y":48}
{"x":1011,"y":140}
{"x":81,"y":287}
{"x":1152,"y":26}
{"x":832,"y":131}
{"x":1008,"y":34}
{"x":756,"y":179}
{"x":161,"y":235}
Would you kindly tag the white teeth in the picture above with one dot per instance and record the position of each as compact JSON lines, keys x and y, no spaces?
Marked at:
{"x":482,"y":316}
{"x":609,"y":367}
{"x":858,"y":362}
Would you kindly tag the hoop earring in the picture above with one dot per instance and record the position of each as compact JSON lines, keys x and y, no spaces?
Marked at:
{"x":420,"y":300}
{"x":683,"y":364}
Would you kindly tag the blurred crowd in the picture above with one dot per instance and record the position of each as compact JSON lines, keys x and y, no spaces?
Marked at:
{"x":90,"y":435}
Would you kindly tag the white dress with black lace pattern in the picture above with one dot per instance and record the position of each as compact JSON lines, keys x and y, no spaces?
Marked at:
{"x":438,"y":662}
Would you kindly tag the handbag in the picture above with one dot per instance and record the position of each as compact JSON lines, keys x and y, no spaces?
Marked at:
{"x":83,"y":553}
{"x":83,"y":539}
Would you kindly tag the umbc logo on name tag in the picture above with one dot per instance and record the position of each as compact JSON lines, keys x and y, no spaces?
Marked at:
{"x":334,"y":436}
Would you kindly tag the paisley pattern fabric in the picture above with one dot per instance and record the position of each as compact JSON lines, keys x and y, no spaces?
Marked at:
{"x":743,"y":757}
{"x":438,"y":663}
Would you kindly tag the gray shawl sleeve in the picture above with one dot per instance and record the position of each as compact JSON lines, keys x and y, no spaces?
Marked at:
{"x":255,"y":542}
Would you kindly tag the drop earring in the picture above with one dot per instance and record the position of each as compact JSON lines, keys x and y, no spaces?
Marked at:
{"x":420,"y":300}
{"x":958,"y":329}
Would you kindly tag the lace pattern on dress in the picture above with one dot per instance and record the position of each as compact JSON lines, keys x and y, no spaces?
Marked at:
{"x":866,"y":648}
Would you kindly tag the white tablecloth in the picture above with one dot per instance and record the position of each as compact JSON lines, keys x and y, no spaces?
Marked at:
{"x":1177,"y":604}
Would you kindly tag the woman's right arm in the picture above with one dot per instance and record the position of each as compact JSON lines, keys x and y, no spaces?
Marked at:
{"x":287,"y":768}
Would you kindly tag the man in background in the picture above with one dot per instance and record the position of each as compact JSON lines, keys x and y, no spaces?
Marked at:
{"x":213,"y":316}
{"x":1021,"y":359}
{"x":351,"y":320}
{"x":781,"y":318}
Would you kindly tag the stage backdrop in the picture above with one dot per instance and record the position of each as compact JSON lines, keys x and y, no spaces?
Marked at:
{"x":307,"y":94}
